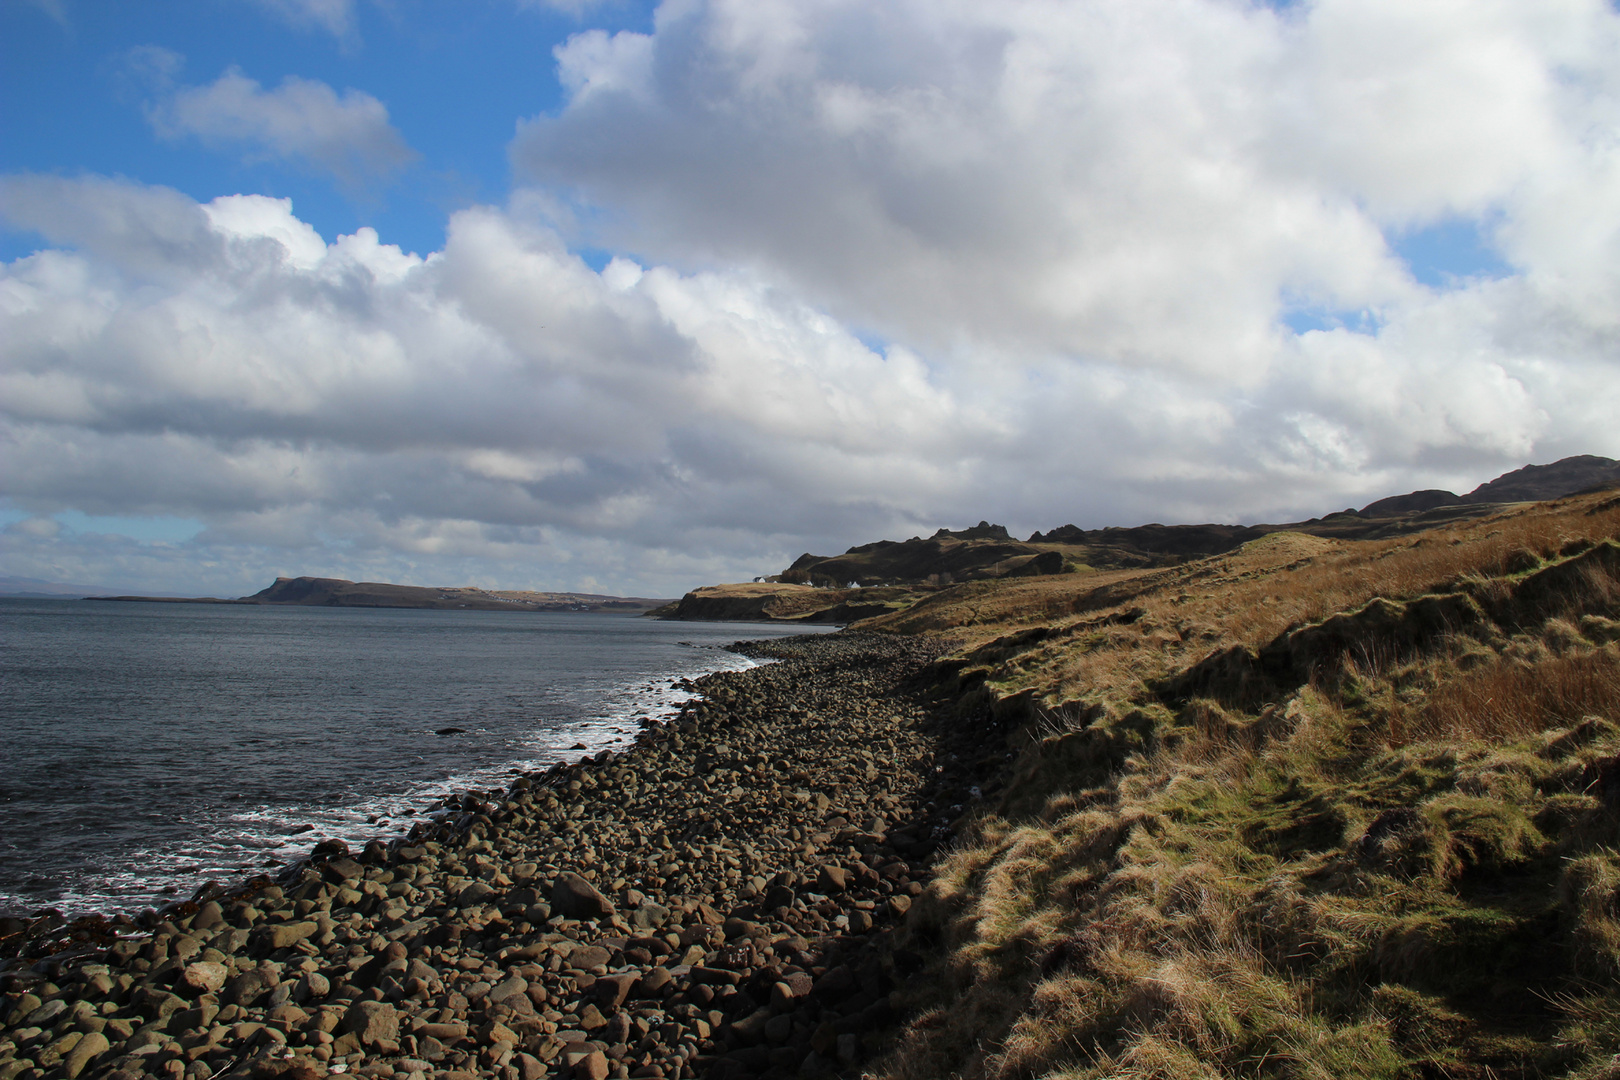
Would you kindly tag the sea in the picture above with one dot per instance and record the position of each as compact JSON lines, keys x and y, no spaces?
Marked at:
{"x":147,"y":748}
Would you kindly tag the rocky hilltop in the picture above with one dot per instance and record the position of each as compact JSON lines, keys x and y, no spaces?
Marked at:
{"x":1532,"y":483}
{"x":983,"y":551}
{"x":777,"y":602}
{"x":910,"y":570}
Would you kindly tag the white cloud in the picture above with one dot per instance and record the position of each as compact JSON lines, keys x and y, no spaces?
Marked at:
{"x":36,"y":528}
{"x":498,"y":406}
{"x":240,"y":367}
{"x":594,"y":62}
{"x":1073,"y":228}
{"x":1429,"y":109}
{"x":1058,"y":179}
{"x":1151,"y":183}
{"x":302,"y":120}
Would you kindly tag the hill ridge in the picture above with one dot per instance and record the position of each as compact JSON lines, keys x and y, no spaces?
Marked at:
{"x":885,"y":576}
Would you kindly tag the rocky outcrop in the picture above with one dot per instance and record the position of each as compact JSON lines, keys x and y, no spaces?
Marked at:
{"x":988,"y":551}
{"x":1414,"y":503}
{"x":1533,"y":483}
{"x":775,"y":602}
{"x":1182,"y":541}
{"x":720,"y":604}
{"x":985,"y":551}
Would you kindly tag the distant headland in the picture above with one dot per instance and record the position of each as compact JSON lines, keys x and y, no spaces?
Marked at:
{"x":337,"y":592}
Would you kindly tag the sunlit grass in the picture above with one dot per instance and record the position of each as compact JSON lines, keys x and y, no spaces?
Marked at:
{"x":1402,"y":865}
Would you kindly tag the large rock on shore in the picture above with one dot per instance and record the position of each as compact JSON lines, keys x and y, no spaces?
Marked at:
{"x":204,"y":977}
{"x":374,"y":1024}
{"x":283,"y":935}
{"x":575,"y":898}
{"x":89,"y":1047}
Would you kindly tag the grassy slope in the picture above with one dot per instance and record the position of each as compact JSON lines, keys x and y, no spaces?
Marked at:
{"x":1315,"y":808}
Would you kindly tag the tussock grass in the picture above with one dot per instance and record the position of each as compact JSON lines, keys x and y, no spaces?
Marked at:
{"x":1247,"y":597}
{"x":1589,"y":891}
{"x":1404,"y":862}
{"x":1511,"y":698}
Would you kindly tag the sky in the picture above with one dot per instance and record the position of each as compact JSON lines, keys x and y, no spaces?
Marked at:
{"x":614,"y":296}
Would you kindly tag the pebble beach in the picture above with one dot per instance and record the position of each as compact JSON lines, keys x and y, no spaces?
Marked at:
{"x":725,"y":898}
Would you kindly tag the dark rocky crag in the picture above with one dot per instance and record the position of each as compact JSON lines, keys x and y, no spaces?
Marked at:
{"x":988,"y":551}
{"x":983,"y":551}
{"x":723,"y":900}
{"x":1392,"y":516}
{"x":825,"y":606}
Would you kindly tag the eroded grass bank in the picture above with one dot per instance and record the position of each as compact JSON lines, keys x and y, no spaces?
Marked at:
{"x":1311,"y":809}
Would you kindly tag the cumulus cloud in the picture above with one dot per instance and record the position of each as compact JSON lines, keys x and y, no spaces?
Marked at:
{"x":222,"y":362}
{"x":302,"y":120}
{"x":499,"y":408}
{"x":1150,"y":183}
{"x":895,"y":267}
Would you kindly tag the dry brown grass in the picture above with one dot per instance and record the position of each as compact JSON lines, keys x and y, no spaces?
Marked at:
{"x":1408,"y":870}
{"x":981,"y":610}
{"x":1356,"y":571}
{"x":1589,"y":889}
{"x":1509,"y":699}
{"x":1246,"y":597}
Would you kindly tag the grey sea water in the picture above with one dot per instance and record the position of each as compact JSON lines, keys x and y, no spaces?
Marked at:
{"x":146,"y":748}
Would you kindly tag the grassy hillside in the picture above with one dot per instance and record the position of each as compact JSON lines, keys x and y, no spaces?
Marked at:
{"x":915,"y":569}
{"x":1312,"y":808}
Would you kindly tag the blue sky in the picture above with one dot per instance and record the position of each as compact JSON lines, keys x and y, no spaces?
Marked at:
{"x":1442,"y":255}
{"x":455,"y":79}
{"x":614,"y":296}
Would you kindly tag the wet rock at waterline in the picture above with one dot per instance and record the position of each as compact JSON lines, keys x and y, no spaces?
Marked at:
{"x":722,"y":899}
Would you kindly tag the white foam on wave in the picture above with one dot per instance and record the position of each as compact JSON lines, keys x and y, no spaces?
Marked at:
{"x":235,"y":842}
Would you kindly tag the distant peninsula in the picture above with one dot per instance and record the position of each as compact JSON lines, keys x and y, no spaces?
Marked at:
{"x":337,"y":592}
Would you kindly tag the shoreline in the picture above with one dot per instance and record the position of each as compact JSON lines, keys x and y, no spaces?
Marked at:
{"x":225,"y":829}
{"x":719,"y":898}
